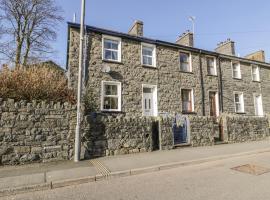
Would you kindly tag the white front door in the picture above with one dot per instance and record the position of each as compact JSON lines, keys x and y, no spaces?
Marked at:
{"x":148,"y":101}
{"x":258,"y":105}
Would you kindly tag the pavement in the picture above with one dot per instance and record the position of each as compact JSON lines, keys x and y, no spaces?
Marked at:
{"x":45,"y":176}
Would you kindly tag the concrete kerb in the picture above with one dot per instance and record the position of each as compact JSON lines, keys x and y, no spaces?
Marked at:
{"x":24,"y":189}
{"x":125,"y":173}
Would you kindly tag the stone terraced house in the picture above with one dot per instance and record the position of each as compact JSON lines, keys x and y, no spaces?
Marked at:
{"x":131,"y":75}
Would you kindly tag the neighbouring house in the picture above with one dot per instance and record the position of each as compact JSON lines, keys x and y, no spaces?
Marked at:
{"x":131,"y":75}
{"x":51,"y":65}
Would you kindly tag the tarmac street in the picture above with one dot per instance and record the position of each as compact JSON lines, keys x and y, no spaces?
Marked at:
{"x":212,"y":180}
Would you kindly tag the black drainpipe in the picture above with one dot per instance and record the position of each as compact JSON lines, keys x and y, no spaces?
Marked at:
{"x":202,"y":84}
{"x":220,"y":86}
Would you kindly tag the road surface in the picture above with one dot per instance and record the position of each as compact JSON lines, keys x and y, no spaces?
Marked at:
{"x":208,"y":181}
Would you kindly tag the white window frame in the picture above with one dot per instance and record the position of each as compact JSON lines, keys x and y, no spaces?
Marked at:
{"x":107,"y":37}
{"x":239,"y":69}
{"x":155,"y":98}
{"x":257,"y":74}
{"x":192,"y":99}
{"x":215,"y":65}
{"x":153,"y":54}
{"x":241,"y":99}
{"x":119,"y":94}
{"x":254,"y":99}
{"x":190,"y":61}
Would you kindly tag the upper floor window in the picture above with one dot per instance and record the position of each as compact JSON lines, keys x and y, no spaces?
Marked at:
{"x":239,"y":102}
{"x":187,"y":100}
{"x":185,"y":62}
{"x":111,"y":48}
{"x":148,"y":55}
{"x":211,"y":66}
{"x":255,"y":73}
{"x":111,"y":96}
{"x":236,"y":71}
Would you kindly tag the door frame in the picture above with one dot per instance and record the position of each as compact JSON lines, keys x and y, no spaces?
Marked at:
{"x":155,"y":103}
{"x":217,"y":102}
{"x":254,"y":99}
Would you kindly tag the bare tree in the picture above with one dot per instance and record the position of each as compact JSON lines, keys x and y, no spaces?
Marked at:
{"x":30,"y":26}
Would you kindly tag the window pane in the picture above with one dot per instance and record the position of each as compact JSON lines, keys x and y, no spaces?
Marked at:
{"x":108,"y":54}
{"x":211,"y":70}
{"x":147,"y":51}
{"x":237,"y":99}
{"x":147,"y":60}
{"x":110,"y":44}
{"x":184,"y":57}
{"x":110,"y":89}
{"x":110,"y":103}
{"x":186,"y":100}
{"x":115,"y":45}
{"x":184,"y":67}
{"x":186,"y":106}
{"x":107,"y":44}
{"x":147,"y":90}
{"x":235,"y":74}
{"x":186,"y":95}
{"x":210,"y":62}
{"x":114,"y":55}
{"x":238,"y":107}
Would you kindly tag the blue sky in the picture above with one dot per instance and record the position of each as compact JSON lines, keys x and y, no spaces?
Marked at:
{"x":244,"y":21}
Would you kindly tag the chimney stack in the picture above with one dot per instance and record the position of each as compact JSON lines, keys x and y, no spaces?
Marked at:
{"x":186,"y":39}
{"x":226,"y":47}
{"x":257,"y":56}
{"x":136,"y":29}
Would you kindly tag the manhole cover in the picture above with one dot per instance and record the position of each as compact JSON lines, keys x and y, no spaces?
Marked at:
{"x":252,"y":169}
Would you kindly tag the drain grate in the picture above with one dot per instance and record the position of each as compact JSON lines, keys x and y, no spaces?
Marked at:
{"x":252,"y":169}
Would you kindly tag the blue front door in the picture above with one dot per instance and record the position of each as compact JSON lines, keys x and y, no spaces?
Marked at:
{"x":180,"y":133}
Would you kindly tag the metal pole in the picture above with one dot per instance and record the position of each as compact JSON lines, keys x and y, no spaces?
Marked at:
{"x":78,"y":126}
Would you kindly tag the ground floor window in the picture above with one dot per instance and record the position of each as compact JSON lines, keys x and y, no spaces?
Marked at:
{"x":111,"y":96}
{"x":239,"y":102}
{"x":187,"y":100}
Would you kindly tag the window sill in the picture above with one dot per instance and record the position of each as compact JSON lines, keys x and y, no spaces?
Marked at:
{"x":241,"y":113}
{"x":186,"y":72}
{"x":112,"y":111}
{"x":112,"y":61}
{"x":149,"y":66}
{"x":239,"y":79}
{"x":189,"y":113}
{"x":256,"y":81}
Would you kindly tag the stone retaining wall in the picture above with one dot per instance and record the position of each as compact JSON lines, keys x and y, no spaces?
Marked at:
{"x":43,"y":132}
{"x":107,"y":135}
{"x":203,"y":130}
{"x":34,"y":131}
{"x":243,"y":129}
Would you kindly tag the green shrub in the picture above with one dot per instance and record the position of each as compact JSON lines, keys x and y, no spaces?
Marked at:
{"x":35,"y":83}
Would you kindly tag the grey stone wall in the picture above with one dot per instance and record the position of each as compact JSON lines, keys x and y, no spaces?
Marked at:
{"x":35,"y":131}
{"x":166,"y":134}
{"x":107,"y":135}
{"x":244,"y":129}
{"x":203,"y":130}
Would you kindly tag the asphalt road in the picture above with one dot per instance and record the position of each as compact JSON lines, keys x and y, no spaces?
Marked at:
{"x":209,"y":181}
